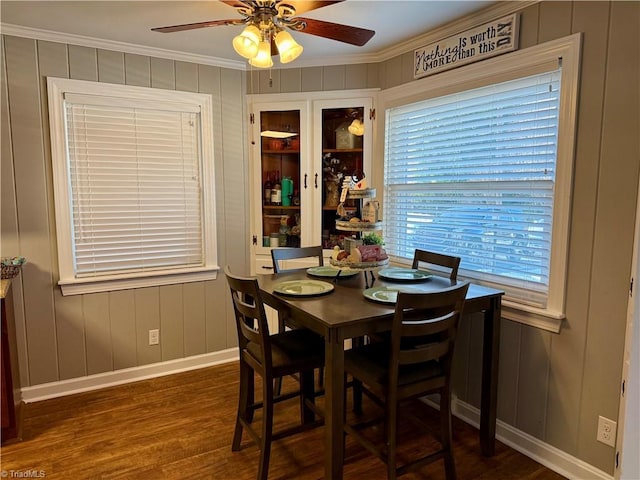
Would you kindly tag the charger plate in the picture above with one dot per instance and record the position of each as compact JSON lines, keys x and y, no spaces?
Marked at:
{"x":400,"y":274}
{"x":303,"y":288}
{"x":388,"y":294}
{"x":332,"y":272}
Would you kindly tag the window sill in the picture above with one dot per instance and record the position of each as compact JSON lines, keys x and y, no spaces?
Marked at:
{"x":534,"y":317}
{"x":94,"y":285}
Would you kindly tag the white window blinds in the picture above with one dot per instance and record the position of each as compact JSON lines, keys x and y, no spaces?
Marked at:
{"x":473,"y":175}
{"x":135,"y":182}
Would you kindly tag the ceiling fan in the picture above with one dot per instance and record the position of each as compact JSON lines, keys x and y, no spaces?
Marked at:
{"x":266,"y":33}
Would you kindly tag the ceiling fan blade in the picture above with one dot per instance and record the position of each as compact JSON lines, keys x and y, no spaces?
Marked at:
{"x":335,"y":31}
{"x":302,"y":6}
{"x":193,"y":26}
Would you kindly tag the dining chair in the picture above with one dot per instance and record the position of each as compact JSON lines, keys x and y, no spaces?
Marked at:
{"x":449,"y":262}
{"x":416,"y":362}
{"x":270,"y":356}
{"x":279,"y":255}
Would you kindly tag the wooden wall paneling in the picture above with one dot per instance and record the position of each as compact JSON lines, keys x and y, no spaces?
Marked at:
{"x":268,"y":81}
{"x":533,"y":381}
{"x":555,"y":20}
{"x":97,"y":326}
{"x":312,"y":79}
{"x":111,"y":67}
{"x":137,"y":70}
{"x":147,"y":305}
{"x":290,"y":80}
{"x":529,"y":24}
{"x":163,"y":73}
{"x":615,"y":213}
{"x":32,"y":208}
{"x":172,"y":322}
{"x":70,"y":335}
{"x":408,"y":66}
{"x":235,"y":170}
{"x":373,"y":75}
{"x":122,"y":310}
{"x":334,"y":77}
{"x":220,"y":331}
{"x":209,"y":81}
{"x":83,"y":63}
{"x":194,"y":319}
{"x":9,"y":240}
{"x":392,"y":72}
{"x":356,"y":76}
{"x":568,"y":348}
{"x":508,"y":369}
{"x":186,"y":77}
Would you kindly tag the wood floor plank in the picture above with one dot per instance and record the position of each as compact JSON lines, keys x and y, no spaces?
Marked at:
{"x":180,"y":426}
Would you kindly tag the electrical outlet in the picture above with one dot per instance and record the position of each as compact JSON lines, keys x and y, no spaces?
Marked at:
{"x":154,"y":337}
{"x":607,"y":431}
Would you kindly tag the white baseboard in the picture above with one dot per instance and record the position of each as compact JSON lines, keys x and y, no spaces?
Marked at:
{"x":543,"y":453}
{"x":127,"y":375}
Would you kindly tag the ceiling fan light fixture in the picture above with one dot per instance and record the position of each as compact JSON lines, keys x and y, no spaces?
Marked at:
{"x":263,"y":58}
{"x":288,"y":48}
{"x":247,"y":43}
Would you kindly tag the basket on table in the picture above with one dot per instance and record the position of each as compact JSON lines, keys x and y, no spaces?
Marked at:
{"x":11,"y":267}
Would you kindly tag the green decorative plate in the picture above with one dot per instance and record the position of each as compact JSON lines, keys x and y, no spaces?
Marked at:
{"x":388,"y":294}
{"x":303,"y":288}
{"x":328,"y":271}
{"x":400,"y":274}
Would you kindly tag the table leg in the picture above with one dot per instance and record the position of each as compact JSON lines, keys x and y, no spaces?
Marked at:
{"x":489,"y":395}
{"x":334,"y":407}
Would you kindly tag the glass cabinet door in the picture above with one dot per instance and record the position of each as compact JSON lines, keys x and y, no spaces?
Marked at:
{"x":345,"y":130}
{"x":279,"y":169}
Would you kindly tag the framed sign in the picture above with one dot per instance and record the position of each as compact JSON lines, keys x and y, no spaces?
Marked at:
{"x":485,"y":41}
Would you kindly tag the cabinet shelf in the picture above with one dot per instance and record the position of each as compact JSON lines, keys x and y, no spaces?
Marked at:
{"x":342,"y":150}
{"x":280,"y":207}
{"x":281,"y":152}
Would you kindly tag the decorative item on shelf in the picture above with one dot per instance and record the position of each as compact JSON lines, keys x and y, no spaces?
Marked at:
{"x":332,"y":179}
{"x":11,"y":266}
{"x":344,"y":138}
{"x":287,"y":191}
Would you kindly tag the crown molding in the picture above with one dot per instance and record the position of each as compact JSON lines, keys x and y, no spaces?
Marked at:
{"x":450,"y":28}
{"x":81,"y":40}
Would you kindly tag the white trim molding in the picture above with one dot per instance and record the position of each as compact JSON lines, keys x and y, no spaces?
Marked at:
{"x":534,"y":448}
{"x":126,"y":375}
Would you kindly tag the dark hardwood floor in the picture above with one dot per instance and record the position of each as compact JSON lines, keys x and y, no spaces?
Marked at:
{"x":180,"y":427}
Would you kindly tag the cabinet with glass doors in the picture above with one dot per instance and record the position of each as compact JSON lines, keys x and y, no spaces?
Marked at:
{"x":303,"y":147}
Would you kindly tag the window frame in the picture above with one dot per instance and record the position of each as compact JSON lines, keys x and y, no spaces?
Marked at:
{"x":68,"y":281}
{"x":506,"y":67}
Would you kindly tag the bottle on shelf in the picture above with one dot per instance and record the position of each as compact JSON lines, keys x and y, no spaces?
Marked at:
{"x":276,"y":191}
{"x":267,"y":189}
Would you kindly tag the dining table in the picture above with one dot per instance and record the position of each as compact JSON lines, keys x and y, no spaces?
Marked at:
{"x":341,"y":311}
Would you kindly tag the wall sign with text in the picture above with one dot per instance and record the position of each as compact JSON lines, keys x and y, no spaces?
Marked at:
{"x":485,"y":41}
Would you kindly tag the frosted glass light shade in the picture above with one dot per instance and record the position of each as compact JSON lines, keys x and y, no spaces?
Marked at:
{"x":356,"y":128}
{"x":246,"y":44}
{"x":263,"y":58}
{"x":288,"y":48}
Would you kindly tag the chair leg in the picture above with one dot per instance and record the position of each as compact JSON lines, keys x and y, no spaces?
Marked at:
{"x":446,"y":433}
{"x":357,"y":396}
{"x":307,"y":391}
{"x":267,"y":432}
{"x":277,"y":386}
{"x":245,"y":397}
{"x":391,"y":432}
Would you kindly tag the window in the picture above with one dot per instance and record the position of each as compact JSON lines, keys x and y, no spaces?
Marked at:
{"x":133,"y":178}
{"x":479,"y":173}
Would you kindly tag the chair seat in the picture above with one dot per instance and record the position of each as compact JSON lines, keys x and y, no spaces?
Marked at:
{"x":370,"y":363}
{"x":293,"y":350}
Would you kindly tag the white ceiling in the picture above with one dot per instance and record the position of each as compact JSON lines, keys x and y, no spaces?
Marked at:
{"x":120,"y":25}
